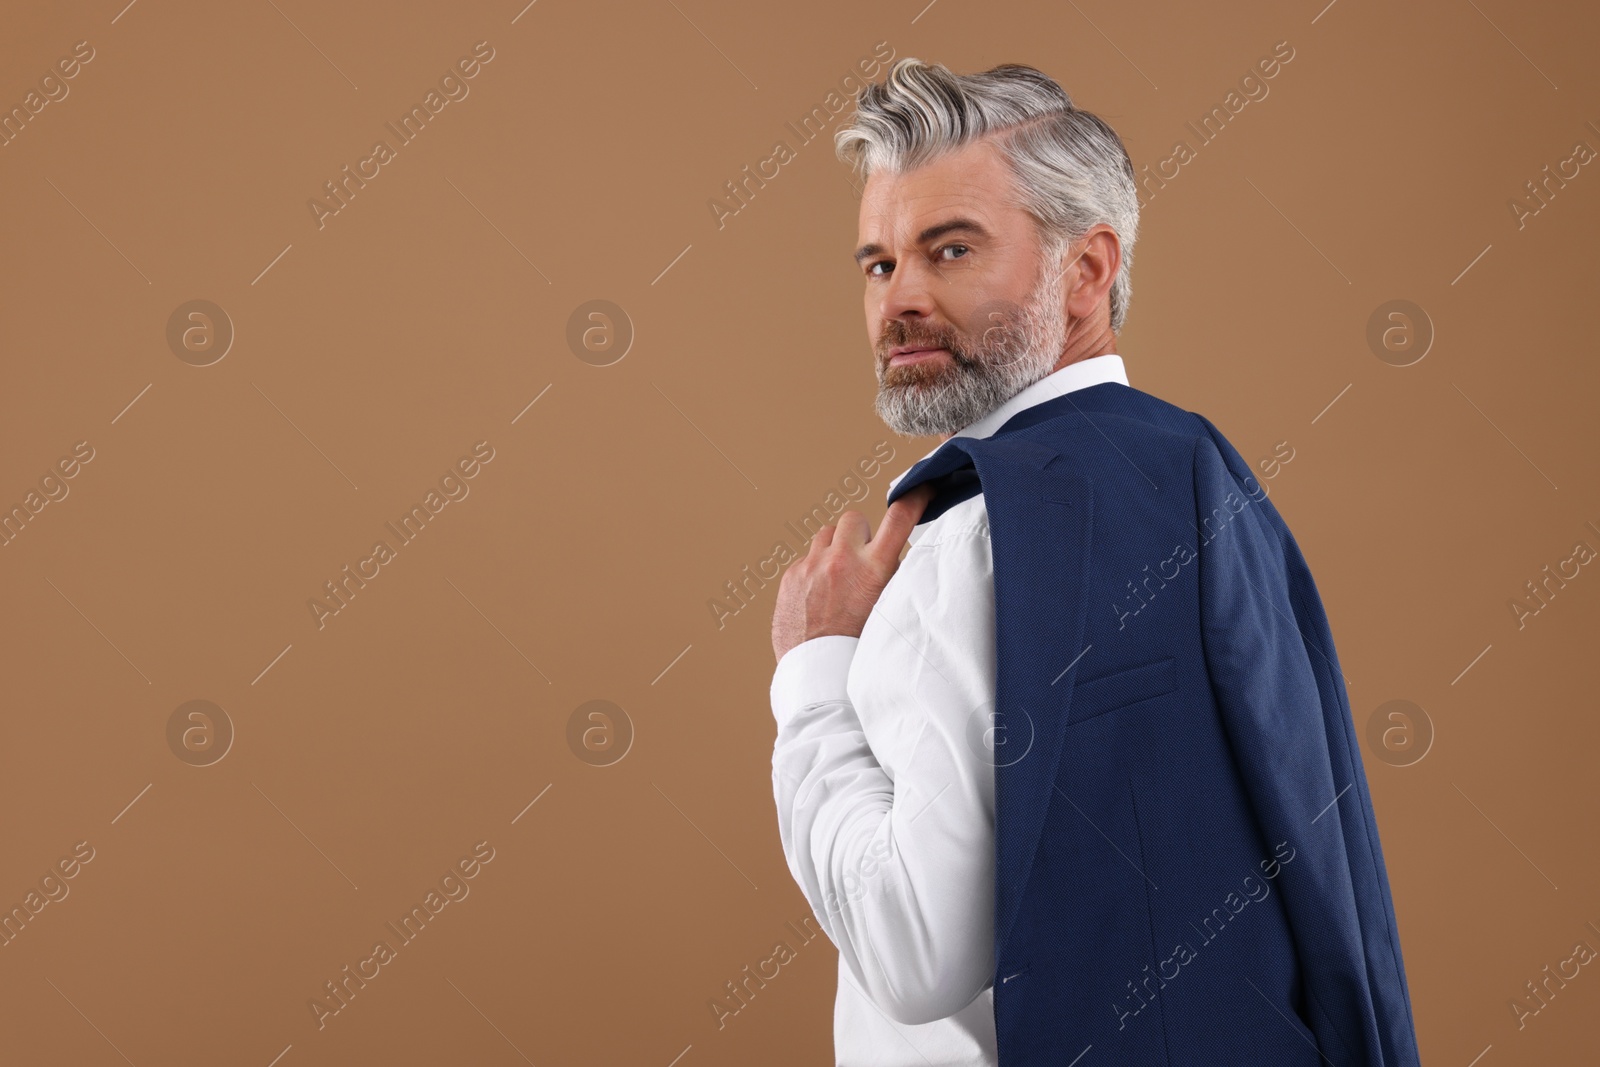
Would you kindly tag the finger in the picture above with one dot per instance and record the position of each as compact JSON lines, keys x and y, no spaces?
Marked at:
{"x":823,"y":538}
{"x":854,"y":529}
{"x":899,"y":521}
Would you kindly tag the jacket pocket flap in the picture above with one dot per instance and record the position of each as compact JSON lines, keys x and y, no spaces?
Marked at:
{"x":1096,"y":696}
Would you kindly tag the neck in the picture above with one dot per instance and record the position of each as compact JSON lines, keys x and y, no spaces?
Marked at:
{"x":1100,"y":343}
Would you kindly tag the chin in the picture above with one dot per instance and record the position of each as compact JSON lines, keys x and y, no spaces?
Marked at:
{"x":913,"y":374}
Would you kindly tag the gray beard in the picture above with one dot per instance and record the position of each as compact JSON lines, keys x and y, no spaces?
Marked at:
{"x":1019,"y":346}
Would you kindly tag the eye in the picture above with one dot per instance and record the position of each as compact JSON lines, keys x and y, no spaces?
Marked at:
{"x":960,"y":249}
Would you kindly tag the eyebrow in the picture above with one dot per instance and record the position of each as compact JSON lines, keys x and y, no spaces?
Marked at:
{"x":956,"y":225}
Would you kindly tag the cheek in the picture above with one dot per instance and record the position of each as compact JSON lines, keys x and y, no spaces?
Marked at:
{"x":970,"y":320}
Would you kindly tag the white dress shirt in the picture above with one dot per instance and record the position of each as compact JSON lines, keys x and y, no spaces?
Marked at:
{"x":883,"y":774}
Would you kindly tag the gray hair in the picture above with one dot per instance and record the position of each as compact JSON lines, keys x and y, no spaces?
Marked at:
{"x":1071,"y":168}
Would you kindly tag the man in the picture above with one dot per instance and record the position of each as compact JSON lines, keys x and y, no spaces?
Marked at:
{"x":1039,"y":831}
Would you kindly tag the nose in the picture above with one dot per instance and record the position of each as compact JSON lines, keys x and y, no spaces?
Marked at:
{"x":910,"y":291}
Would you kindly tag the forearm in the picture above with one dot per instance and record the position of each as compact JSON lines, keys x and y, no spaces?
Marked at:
{"x":897,"y":864}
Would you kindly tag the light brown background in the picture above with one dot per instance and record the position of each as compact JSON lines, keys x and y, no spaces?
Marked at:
{"x":373,"y":753}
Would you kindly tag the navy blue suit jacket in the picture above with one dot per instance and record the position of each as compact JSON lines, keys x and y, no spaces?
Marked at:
{"x":1187,"y":866}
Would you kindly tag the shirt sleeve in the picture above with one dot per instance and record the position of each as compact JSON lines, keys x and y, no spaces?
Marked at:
{"x":896,"y":854}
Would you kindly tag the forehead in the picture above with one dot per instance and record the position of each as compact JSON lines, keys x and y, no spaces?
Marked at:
{"x":973,"y":181}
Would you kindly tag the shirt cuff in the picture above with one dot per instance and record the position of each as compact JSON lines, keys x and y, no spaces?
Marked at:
{"x":812,"y":672}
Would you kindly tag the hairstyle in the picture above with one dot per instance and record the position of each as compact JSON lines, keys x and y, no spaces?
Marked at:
{"x":1070,"y":167}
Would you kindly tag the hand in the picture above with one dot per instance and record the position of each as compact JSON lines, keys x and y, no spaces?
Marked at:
{"x":832,"y":589}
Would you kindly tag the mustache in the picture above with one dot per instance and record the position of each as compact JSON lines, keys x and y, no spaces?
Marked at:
{"x":997,"y":326}
{"x":1001,"y":334}
{"x":897,"y":334}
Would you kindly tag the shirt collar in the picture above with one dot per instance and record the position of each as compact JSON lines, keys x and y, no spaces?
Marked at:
{"x":1085,"y":372}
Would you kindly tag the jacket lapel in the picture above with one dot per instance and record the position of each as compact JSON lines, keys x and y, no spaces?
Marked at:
{"x":1040,"y":510}
{"x":1040,"y":516}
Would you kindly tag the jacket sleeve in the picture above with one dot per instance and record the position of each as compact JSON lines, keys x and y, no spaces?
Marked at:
{"x":1275,"y":678}
{"x":897,"y":863}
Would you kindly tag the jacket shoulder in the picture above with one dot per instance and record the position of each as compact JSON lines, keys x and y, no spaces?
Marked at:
{"x":1134,"y":417}
{"x":1129,"y":418}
